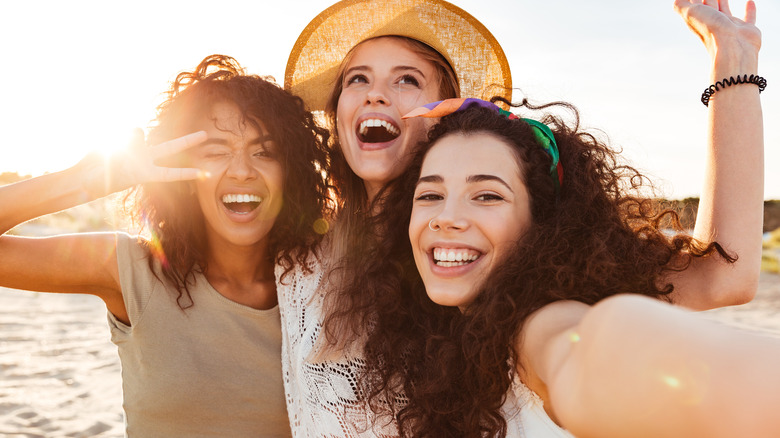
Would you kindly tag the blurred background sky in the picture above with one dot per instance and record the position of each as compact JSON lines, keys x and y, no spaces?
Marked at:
{"x":79,"y":75}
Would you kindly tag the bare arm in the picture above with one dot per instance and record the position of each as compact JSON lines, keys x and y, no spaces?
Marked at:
{"x":83,"y":263}
{"x":634,"y":366}
{"x":731,"y":204}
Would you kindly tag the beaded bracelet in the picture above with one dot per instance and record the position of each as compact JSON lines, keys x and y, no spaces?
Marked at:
{"x":744,"y":79}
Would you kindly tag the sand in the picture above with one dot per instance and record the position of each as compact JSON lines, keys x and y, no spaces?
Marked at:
{"x":60,"y":374}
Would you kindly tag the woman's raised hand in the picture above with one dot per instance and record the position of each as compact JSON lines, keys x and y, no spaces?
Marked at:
{"x":713,"y":22}
{"x":137,"y":164}
{"x":731,"y":199}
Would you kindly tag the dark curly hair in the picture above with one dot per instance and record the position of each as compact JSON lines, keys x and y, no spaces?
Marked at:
{"x":599,"y":236}
{"x":171,"y":211}
{"x":352,"y":229}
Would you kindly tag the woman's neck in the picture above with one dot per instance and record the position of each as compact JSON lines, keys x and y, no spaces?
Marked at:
{"x":244,"y":274}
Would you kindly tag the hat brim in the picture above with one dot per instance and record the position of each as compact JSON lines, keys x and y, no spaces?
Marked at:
{"x":473,"y":52}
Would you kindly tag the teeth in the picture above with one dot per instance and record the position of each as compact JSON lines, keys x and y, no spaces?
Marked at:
{"x":454,"y":257}
{"x":451,"y":264}
{"x":375,"y":123}
{"x":236,"y":198}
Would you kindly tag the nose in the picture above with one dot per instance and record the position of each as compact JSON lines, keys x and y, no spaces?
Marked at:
{"x":377,"y":95}
{"x":452,"y":217}
{"x":239,"y":168}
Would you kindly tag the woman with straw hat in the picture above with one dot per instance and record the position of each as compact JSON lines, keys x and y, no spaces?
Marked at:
{"x":365,"y":63}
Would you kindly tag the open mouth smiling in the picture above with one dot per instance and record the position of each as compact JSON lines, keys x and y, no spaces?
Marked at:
{"x":241,"y":203}
{"x":377,"y":131}
{"x":450,"y":257}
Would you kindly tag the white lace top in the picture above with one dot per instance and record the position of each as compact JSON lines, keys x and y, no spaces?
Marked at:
{"x":322,"y":397}
{"x":525,"y":415}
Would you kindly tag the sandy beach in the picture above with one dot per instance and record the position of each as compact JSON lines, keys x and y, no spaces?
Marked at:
{"x":60,"y":374}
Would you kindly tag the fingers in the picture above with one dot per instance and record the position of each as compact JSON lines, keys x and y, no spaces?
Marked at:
{"x":682,"y":6}
{"x":724,"y":7}
{"x":750,"y":12}
{"x":137,"y":138}
{"x":173,"y":147}
{"x":678,"y":6}
{"x":177,"y":145}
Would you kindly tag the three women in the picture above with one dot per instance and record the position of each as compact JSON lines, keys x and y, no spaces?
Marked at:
{"x":352,"y":330}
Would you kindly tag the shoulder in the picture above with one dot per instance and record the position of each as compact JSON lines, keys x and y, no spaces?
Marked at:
{"x":552,"y":320}
{"x":544,"y":343}
{"x":135,"y":245}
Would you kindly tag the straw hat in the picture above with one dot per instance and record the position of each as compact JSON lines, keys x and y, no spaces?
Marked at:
{"x":468,"y":46}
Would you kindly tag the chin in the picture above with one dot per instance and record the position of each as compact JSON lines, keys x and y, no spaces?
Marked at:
{"x":447,"y":299}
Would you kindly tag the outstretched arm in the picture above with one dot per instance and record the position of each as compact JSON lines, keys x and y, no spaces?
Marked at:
{"x":731,"y":203}
{"x":634,"y":366}
{"x":84,"y":263}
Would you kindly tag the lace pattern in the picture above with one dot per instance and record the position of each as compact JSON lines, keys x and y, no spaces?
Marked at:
{"x":323,"y":398}
{"x":525,"y":415}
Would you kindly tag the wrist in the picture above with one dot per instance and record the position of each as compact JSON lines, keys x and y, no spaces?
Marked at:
{"x":730,"y":58}
{"x":91,"y":177}
{"x":756,"y":80}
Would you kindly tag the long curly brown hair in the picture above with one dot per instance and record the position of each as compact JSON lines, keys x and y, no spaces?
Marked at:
{"x":171,"y":211}
{"x":599,"y":236}
{"x":352,"y":230}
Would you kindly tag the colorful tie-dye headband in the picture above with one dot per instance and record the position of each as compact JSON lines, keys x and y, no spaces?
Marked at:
{"x":542,"y":133}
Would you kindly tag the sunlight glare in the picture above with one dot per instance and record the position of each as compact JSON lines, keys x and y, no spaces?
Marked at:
{"x":119,"y":141}
{"x":671,"y":381}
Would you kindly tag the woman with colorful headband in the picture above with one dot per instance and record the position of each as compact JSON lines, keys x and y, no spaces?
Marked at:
{"x":528,"y":239}
{"x":193,"y":309}
{"x":502,"y":307}
{"x":382,"y":58}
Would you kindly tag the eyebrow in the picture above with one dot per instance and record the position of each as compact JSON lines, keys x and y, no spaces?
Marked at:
{"x":223,"y":142}
{"x":470,"y":179}
{"x":480,"y":178}
{"x":401,"y":68}
{"x":396,"y":69}
{"x":429,"y":179}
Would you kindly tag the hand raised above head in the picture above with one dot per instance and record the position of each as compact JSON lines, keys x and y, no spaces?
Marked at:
{"x":713,"y":22}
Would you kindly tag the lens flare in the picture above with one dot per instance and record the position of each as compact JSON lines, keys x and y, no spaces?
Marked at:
{"x":321,"y":226}
{"x":155,"y":245}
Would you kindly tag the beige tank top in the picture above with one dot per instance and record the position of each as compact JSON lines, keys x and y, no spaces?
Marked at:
{"x":210,"y":370}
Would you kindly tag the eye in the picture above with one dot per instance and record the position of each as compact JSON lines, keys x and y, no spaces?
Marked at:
{"x":408,"y":80}
{"x":214,"y":153}
{"x":358,"y":78}
{"x":263,"y":153}
{"x":428,"y":196}
{"x":488,"y":197}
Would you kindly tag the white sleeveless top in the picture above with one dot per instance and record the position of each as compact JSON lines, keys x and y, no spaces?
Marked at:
{"x":322,"y":397}
{"x":525,"y":415}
